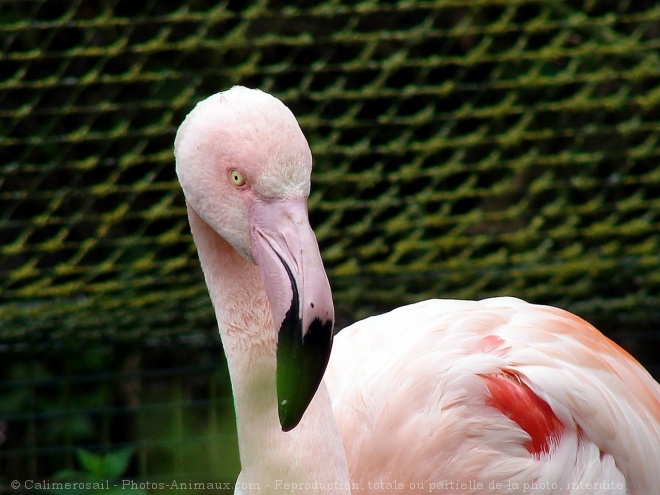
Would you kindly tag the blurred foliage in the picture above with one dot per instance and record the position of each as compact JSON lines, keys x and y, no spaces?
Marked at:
{"x":168,"y":402}
{"x":99,"y":474}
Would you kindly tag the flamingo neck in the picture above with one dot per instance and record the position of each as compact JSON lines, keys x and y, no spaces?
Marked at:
{"x":308,"y":459}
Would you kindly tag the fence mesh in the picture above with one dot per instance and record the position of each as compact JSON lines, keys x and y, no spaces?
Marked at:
{"x":462,"y":149}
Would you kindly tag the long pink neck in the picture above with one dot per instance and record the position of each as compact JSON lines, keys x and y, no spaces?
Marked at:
{"x":313,"y":451}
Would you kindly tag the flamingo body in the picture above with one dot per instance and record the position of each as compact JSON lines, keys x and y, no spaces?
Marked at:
{"x":452,"y":397}
{"x":493,"y":393}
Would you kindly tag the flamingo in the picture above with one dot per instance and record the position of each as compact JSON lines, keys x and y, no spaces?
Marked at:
{"x":442,"y":396}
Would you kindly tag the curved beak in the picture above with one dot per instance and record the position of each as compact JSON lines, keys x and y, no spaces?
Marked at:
{"x":285,"y":249}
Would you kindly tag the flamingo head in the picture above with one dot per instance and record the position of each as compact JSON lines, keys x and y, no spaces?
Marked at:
{"x":244,"y":166}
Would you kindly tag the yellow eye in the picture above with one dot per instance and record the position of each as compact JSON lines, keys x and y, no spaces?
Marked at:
{"x":236,"y":178}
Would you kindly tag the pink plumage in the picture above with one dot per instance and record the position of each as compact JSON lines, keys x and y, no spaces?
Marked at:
{"x":454,"y":397}
{"x":496,"y":392}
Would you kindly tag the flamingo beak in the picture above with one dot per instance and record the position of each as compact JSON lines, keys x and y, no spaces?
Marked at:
{"x":285,"y":249}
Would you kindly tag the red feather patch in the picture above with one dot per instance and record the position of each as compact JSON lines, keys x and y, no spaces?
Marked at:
{"x":518,"y":402}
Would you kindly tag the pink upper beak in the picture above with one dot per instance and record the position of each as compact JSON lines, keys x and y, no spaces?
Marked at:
{"x":285,"y":249}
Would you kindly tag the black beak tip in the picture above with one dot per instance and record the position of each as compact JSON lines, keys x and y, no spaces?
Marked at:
{"x":301,"y":363}
{"x":288,"y":419}
{"x":302,"y":357}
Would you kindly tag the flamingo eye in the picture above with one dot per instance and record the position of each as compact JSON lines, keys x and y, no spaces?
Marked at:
{"x":236,"y":178}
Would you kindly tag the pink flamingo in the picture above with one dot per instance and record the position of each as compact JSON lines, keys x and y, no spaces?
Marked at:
{"x":453,"y":397}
